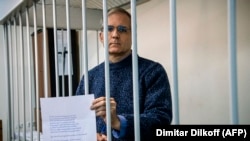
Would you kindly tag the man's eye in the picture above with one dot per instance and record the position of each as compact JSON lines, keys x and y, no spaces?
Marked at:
{"x":110,"y":28}
{"x":122,"y":29}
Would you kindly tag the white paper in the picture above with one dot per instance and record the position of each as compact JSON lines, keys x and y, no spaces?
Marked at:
{"x":68,"y":118}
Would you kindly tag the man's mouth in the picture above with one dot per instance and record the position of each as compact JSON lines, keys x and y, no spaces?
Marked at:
{"x":114,"y":43}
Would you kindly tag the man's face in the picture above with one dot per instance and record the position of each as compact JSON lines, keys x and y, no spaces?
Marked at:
{"x":119,"y":34}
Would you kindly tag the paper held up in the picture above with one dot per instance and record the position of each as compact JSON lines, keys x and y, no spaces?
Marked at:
{"x":68,"y":118}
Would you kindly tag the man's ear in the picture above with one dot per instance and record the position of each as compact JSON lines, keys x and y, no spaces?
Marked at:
{"x":101,"y":36}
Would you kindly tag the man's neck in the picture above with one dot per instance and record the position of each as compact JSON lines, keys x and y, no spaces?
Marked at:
{"x":114,"y":58}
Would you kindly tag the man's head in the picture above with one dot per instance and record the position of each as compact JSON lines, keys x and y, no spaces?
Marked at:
{"x":119,"y":32}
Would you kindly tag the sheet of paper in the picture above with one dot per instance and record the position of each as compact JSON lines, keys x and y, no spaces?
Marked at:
{"x":68,"y":118}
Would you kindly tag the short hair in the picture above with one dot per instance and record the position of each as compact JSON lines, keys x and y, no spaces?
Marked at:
{"x":116,"y":10}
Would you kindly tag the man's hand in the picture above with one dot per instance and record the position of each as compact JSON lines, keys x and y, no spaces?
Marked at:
{"x":101,"y":137}
{"x":99,"y":105}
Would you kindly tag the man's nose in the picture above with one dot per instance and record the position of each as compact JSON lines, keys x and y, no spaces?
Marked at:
{"x":115,"y":34}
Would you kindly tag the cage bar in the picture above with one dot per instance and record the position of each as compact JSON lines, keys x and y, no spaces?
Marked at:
{"x":55,"y":47}
{"x":174,"y":60}
{"x":36,"y":73}
{"x":107,"y":75}
{"x":85,"y":47}
{"x":69,"y":47}
{"x":135,"y":71}
{"x":232,"y":60}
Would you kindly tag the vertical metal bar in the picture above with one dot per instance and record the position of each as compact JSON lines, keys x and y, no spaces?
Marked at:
{"x":69,"y":48}
{"x":63,"y":81}
{"x":107,"y":76}
{"x":45,"y":58}
{"x":8,"y":77}
{"x":36,"y":71}
{"x":135,"y":71}
{"x":232,"y":60}
{"x":55,"y":47}
{"x":97,"y":47}
{"x":29,"y":52}
{"x":173,"y":45}
{"x":22,"y":86}
{"x":16,"y":81}
{"x":11,"y":104}
{"x":85,"y":46}
{"x":7,"y":67}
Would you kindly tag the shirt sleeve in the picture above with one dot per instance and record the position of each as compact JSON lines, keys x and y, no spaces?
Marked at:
{"x":122,"y":131}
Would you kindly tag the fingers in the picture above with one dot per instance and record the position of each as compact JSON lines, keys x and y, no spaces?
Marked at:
{"x":99,"y":105}
{"x":101,"y":137}
{"x":101,"y":102}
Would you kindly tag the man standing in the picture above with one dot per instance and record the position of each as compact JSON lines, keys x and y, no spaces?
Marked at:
{"x":154,"y":89}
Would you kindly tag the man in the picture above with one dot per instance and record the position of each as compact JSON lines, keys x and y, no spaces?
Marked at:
{"x":154,"y":90}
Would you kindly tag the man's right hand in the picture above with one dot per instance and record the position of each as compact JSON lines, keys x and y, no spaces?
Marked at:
{"x":101,"y":137}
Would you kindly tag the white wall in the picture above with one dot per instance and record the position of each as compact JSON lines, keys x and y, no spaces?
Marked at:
{"x":203,"y":61}
{"x":203,"y":65}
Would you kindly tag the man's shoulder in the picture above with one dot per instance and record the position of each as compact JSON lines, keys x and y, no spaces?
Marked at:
{"x":97,"y":67}
{"x":96,"y":71}
{"x":146,"y":62}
